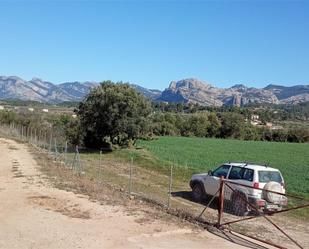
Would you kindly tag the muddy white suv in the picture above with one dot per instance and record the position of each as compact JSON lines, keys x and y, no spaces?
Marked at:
{"x":259,"y":179}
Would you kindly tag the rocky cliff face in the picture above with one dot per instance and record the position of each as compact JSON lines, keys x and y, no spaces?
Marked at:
{"x":186,"y":91}
{"x":290,"y":95}
{"x":195,"y":91}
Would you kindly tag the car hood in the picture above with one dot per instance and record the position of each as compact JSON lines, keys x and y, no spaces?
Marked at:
{"x":201,"y":176}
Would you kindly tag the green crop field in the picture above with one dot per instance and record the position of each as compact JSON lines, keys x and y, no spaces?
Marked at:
{"x":202,"y":154}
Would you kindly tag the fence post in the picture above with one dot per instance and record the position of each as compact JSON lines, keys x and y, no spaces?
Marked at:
{"x":45,"y":140}
{"x":65,"y":152}
{"x":50,"y":142}
{"x":130,"y":179}
{"x":79,"y":165}
{"x":27,"y":136}
{"x":30,"y":135}
{"x":100,"y":165}
{"x":56,"y":150}
{"x":35,"y":137}
{"x":221,"y":201}
{"x":170,"y":187}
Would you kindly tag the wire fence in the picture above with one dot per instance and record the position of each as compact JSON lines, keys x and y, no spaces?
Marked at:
{"x":168,"y":186}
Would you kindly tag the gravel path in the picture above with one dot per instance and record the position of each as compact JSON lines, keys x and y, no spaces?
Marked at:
{"x":33,"y":214}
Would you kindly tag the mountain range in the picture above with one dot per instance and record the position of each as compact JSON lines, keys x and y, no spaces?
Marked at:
{"x":187,"y":91}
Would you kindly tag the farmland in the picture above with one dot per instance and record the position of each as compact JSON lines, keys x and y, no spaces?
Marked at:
{"x":200,"y":155}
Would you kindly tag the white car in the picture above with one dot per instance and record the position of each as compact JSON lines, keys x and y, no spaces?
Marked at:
{"x":260,"y":180}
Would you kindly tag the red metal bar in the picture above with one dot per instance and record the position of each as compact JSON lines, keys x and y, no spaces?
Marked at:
{"x":254,"y":217}
{"x":258,"y":239}
{"x":269,"y":220}
{"x":276,"y":226}
{"x":221,"y":201}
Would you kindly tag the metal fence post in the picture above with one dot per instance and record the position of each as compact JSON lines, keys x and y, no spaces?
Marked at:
{"x":50,"y":142}
{"x":170,"y":187}
{"x":22,"y":133}
{"x":35,"y":137}
{"x":45,"y":140}
{"x":56,"y":150}
{"x":30,"y":135}
{"x":221,"y":201}
{"x":100,"y":165}
{"x":130,"y":179}
{"x":27,"y":138}
{"x":65,"y":152}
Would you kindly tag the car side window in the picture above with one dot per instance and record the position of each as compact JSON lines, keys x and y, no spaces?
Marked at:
{"x":222,"y":171}
{"x":248,"y":175}
{"x":240,"y":173}
{"x":236,"y":173}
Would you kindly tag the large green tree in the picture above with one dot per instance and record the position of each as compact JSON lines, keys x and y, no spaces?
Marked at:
{"x":113,"y":113}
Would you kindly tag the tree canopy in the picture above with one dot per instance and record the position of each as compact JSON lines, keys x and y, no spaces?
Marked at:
{"x":113,"y":113}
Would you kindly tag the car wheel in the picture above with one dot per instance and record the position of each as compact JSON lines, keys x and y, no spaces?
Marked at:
{"x":240,"y":206}
{"x":198,"y":193}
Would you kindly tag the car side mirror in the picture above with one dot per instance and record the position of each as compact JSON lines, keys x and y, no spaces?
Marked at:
{"x":210,"y":172}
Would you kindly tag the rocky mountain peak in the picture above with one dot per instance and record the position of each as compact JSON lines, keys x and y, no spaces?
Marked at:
{"x":36,"y":79}
{"x":190,"y":83}
{"x":239,"y":86}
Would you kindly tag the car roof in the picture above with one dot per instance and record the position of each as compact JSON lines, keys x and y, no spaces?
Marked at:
{"x":252,"y":166}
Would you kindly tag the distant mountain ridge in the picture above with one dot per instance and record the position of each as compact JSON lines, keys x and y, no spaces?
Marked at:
{"x":189,"y":90}
{"x":36,"y":89}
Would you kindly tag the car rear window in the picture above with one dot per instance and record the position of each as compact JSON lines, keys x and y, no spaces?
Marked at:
{"x":267,"y":176}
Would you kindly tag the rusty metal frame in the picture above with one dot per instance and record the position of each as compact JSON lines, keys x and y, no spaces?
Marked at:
{"x":220,"y":212}
{"x":258,"y":239}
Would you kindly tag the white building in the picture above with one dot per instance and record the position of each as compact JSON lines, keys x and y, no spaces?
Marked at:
{"x":255,"y":117}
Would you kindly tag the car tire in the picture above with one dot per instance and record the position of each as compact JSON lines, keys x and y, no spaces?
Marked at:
{"x":240,"y":206}
{"x":198,"y":193}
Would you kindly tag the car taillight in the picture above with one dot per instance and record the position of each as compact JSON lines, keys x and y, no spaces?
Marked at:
{"x":260,"y":203}
{"x":256,"y":185}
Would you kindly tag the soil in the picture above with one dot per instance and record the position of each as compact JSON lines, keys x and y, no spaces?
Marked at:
{"x":36,"y":214}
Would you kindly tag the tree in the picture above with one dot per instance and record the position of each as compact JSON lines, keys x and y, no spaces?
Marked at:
{"x":198,"y":124}
{"x":114,"y":113}
{"x":215,"y":125}
{"x":232,"y":125}
{"x":73,"y":132}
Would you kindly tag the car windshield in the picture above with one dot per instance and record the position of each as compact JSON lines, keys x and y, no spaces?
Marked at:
{"x":267,"y":176}
{"x":221,"y":171}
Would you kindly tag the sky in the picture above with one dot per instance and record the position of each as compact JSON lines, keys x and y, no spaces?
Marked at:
{"x":151,"y":43}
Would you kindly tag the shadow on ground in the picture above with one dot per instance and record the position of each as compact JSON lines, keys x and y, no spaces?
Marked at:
{"x":234,"y":238}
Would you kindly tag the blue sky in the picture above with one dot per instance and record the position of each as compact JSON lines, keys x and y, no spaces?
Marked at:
{"x":151,"y":43}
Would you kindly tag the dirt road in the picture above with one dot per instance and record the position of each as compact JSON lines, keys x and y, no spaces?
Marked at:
{"x":33,"y":214}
